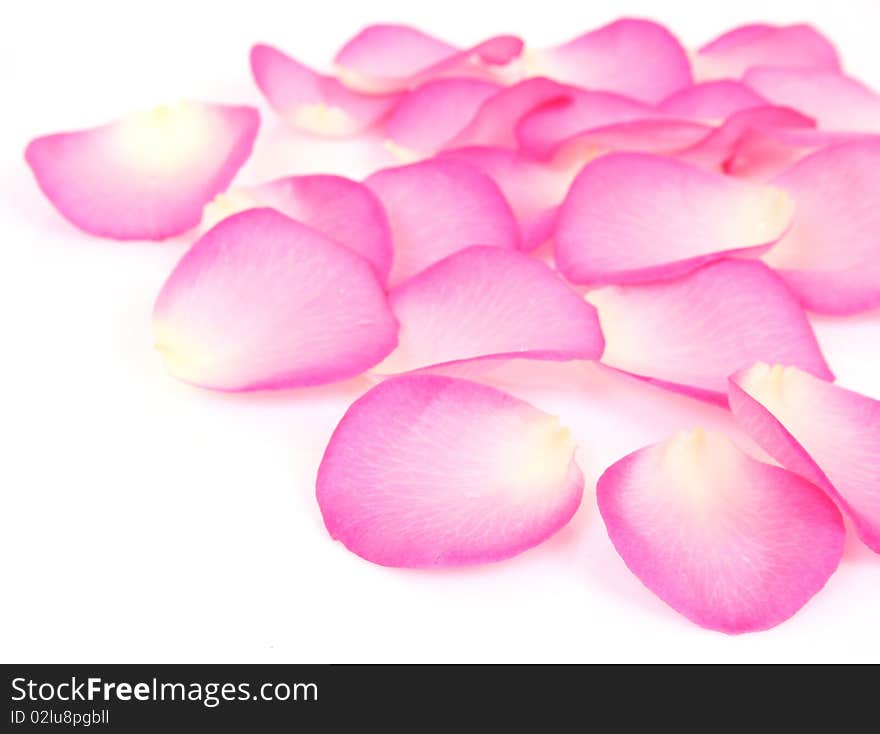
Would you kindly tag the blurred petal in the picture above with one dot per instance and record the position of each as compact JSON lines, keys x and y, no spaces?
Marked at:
{"x":561,"y":117}
{"x":715,"y":150}
{"x":148,"y":175}
{"x":489,"y":302}
{"x":534,"y":189}
{"x":797,"y":46}
{"x":431,"y":115}
{"x":837,"y":102}
{"x":433,"y":471}
{"x":637,"y":58}
{"x":438,"y":207}
{"x":695,"y":331}
{"x":312,"y":102}
{"x":263,"y":302}
{"x":395,"y":57}
{"x":827,"y":434}
{"x":344,"y":210}
{"x":831,"y":256}
{"x":633,"y":217}
{"x":495,"y":122}
{"x":605,"y":121}
{"x":763,"y":152}
{"x":711,"y":101}
{"x":733,"y":544}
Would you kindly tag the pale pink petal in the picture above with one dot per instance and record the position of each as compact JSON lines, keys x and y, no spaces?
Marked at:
{"x":148,"y":175}
{"x":431,"y":115}
{"x":312,"y":102}
{"x":710,"y":101}
{"x":662,"y":136}
{"x":605,"y":121}
{"x":739,"y":36}
{"x":695,"y":331}
{"x":837,"y":102}
{"x":796,"y":46}
{"x":428,"y":471}
{"x":764,"y":152}
{"x":534,"y":189}
{"x":395,"y":57}
{"x":488,"y":302}
{"x":715,"y":150}
{"x":828,"y":434}
{"x":831,"y":256}
{"x":263,"y":302}
{"x":733,"y":544}
{"x":637,"y":58}
{"x":495,"y":122}
{"x":633,"y":217}
{"x":344,"y":210}
{"x":438,"y":207}
{"x":391,"y":51}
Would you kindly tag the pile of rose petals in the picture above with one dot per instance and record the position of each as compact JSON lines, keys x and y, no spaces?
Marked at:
{"x":671,"y":214}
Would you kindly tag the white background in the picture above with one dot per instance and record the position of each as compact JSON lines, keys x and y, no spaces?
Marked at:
{"x":143,"y":520}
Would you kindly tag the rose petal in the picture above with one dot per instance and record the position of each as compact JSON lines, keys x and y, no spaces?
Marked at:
{"x":829,"y":258}
{"x":547,"y":125}
{"x":711,"y":101}
{"x":764,"y":152}
{"x":434,"y":471}
{"x":648,"y":136}
{"x":312,"y":102}
{"x":633,"y":217}
{"x":148,"y":175}
{"x":827,"y":434}
{"x":605,"y":121}
{"x":488,"y":302}
{"x":733,"y":544}
{"x":344,"y":210}
{"x":533,"y":189}
{"x":395,"y":57}
{"x":797,"y":46}
{"x":694,"y":331}
{"x":837,"y":102}
{"x":715,"y":150}
{"x":263,"y":302}
{"x":438,"y":207}
{"x":495,"y":122}
{"x":637,"y":58}
{"x":431,"y":115}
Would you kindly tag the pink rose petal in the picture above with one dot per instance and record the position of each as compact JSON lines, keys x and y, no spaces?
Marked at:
{"x":312,"y":102}
{"x":764,"y":152}
{"x":534,"y":189}
{"x":495,"y":122}
{"x":148,"y":175}
{"x":438,"y":207}
{"x":715,"y":150}
{"x":827,"y":434}
{"x":344,"y":210}
{"x":715,"y":100}
{"x":605,"y":121}
{"x":797,"y":46}
{"x":831,"y":256}
{"x":433,"y":471}
{"x":836,"y":102}
{"x":695,"y":331}
{"x":637,"y":58}
{"x":489,"y":302}
{"x":263,"y":302}
{"x":733,"y":544}
{"x":634,"y":217}
{"x":431,"y":115}
{"x":396,"y":57}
